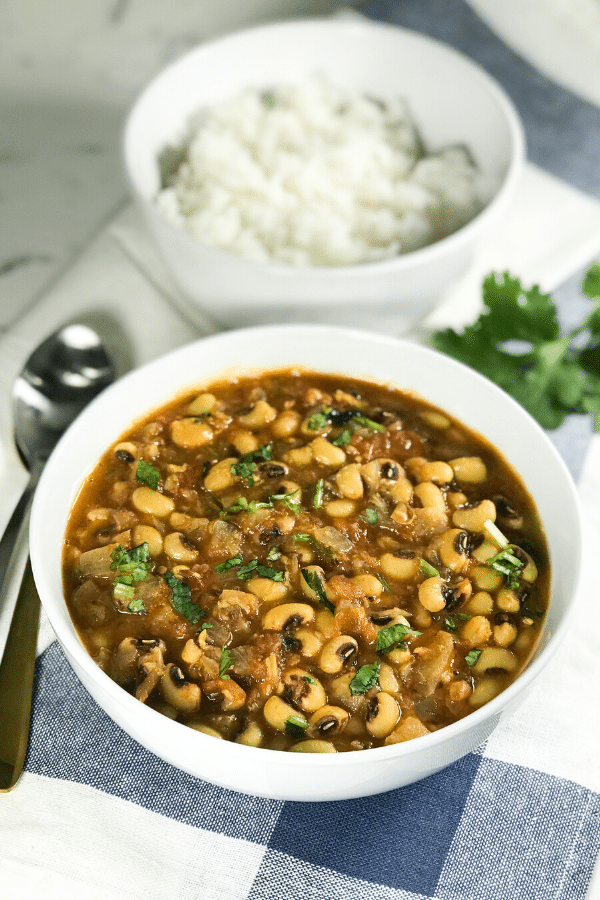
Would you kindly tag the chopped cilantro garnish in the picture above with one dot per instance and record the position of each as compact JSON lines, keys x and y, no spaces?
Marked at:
{"x":226,"y":661}
{"x":388,"y":638}
{"x":386,"y":586}
{"x":130,"y":565}
{"x":315,"y":583}
{"x":370,"y":516}
{"x":308,"y":679}
{"x":311,"y":539}
{"x":181,"y":599}
{"x":295,"y":726}
{"x":274,"y":554}
{"x":147,"y":474}
{"x":290,"y":501}
{"x":518,"y":343}
{"x":343,"y":438}
{"x":231,"y":563}
{"x":123,"y":588}
{"x":318,"y":494}
{"x":137,"y":606}
{"x":317,"y":421}
{"x":245,"y":466}
{"x":454,"y":622}
{"x":244,"y":505}
{"x":254,"y":567}
{"x":339,"y":418}
{"x":366,"y":678}
{"x":472,"y":657}
{"x":427,"y":568}
{"x":508,"y":565}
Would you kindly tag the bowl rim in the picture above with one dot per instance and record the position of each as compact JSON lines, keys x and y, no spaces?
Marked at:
{"x":396,"y":264}
{"x":75,"y":650}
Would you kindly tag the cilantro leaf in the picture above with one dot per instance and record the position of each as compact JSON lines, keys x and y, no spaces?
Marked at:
{"x":427,"y":568}
{"x":315,"y":583}
{"x":454,"y":622}
{"x":472,"y":657}
{"x":295,"y":726}
{"x":147,"y":474}
{"x":231,"y":563}
{"x":181,"y":599}
{"x":389,"y":637}
{"x":226,"y":661}
{"x":366,"y":678}
{"x":508,"y":565}
{"x":137,"y":606}
{"x":254,"y":567}
{"x":245,"y":466}
{"x":134,"y":563}
{"x":517,"y":342}
{"x":370,"y":516}
{"x":318,"y":494}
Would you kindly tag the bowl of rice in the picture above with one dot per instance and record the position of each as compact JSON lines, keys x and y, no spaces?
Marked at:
{"x":335,"y":171}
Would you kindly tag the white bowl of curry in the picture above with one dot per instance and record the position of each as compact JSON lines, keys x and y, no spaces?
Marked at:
{"x":304,"y":562}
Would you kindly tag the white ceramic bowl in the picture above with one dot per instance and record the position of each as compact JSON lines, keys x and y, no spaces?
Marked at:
{"x":453,"y":102}
{"x":452,"y":386}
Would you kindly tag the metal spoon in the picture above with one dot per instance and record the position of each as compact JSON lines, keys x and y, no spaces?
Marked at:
{"x":58,"y":380}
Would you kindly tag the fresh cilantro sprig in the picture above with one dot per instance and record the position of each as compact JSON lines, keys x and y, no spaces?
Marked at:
{"x":245,"y":466}
{"x":509,"y":565}
{"x":340,"y":418}
{"x":249,"y":569}
{"x":315,"y":584}
{"x":131,"y":566}
{"x":226,"y":661}
{"x":518,"y":343}
{"x":392,"y":636}
{"x":147,"y":474}
{"x":366,"y":678}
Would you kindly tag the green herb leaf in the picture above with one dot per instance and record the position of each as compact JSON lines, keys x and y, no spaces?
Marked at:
{"x":274,"y":554}
{"x":343,"y":438}
{"x":225,"y":662}
{"x":231,"y":563}
{"x":311,"y":539}
{"x":389,"y":637}
{"x":386,"y":586}
{"x":370,"y":516}
{"x":428,"y":569}
{"x":137,"y":606}
{"x":147,"y":474}
{"x":123,"y":590}
{"x":245,"y":466}
{"x":244,"y":505}
{"x":454,"y":622}
{"x":290,"y":502}
{"x":181,"y":599}
{"x":308,"y":679}
{"x":135,"y":563}
{"x":517,"y":342}
{"x":366,"y":678}
{"x":254,"y":567}
{"x":472,"y":657}
{"x":318,"y":494}
{"x":508,"y":565}
{"x":295,"y":726}
{"x":315,"y":583}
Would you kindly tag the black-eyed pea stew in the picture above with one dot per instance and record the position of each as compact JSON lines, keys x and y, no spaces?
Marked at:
{"x":307,"y":563}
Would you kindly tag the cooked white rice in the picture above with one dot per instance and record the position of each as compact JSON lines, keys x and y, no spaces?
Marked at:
{"x":309,"y":175}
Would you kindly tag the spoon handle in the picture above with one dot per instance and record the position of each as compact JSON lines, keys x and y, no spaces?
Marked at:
{"x":16,"y":682}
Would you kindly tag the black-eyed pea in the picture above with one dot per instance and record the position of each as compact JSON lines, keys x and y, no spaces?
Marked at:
{"x":299,"y":456}
{"x":340,"y":509}
{"x":410,"y":727}
{"x":474,"y":517}
{"x":436,"y":471}
{"x":286,"y":424}
{"x":381,"y":474}
{"x":399,"y":566}
{"x":505,"y":634}
{"x":251,"y":736}
{"x":480,"y":604}
{"x":325,"y":623}
{"x":326,"y":453}
{"x":476,"y":631}
{"x":524,"y":639}
{"x":267,"y":590}
{"x":261,"y":414}
{"x":303,"y":690}
{"x":485,"y":690}
{"x":205,"y":729}
{"x":277,"y":713}
{"x":368,"y":584}
{"x":328,"y":721}
{"x":454,"y":550}
{"x":383,"y":618}
{"x":244,"y":441}
{"x":485,"y":578}
{"x":401,"y":658}
{"x":401,"y":491}
{"x":421,"y":619}
{"x":458,"y":690}
{"x":226,"y":692}
{"x":387,"y":679}
{"x":232,"y":602}
{"x":337,"y":653}
{"x":126,"y":452}
{"x":190,"y":432}
{"x":145,"y":500}
{"x":469,"y":469}
{"x":314,"y":746}
{"x":430,"y":496}
{"x":495,"y":658}
{"x":178,"y":548}
{"x":349,"y":481}
{"x":507,"y":600}
{"x":436,"y":419}
{"x":220,"y":476}
{"x":203,"y":404}
{"x":431,"y":594}
{"x":309,"y":643}
{"x":288,"y":616}
{"x":454,"y":499}
{"x":180,"y":693}
{"x":146,"y":534}
{"x":382,"y":715}
{"x":485,"y":551}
